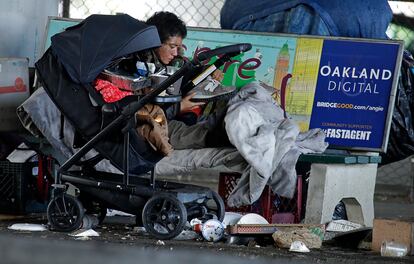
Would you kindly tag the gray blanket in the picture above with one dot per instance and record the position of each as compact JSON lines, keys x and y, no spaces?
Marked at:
{"x":270,"y":143}
{"x":42,"y":118}
{"x":182,"y":162}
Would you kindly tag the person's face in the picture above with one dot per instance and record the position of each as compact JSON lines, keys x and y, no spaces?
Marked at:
{"x":169,"y":49}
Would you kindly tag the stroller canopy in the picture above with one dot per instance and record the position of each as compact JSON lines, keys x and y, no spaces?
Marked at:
{"x":87,"y":49}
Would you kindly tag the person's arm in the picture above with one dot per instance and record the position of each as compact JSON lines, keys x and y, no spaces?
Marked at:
{"x":172,"y":111}
{"x":217,"y":75}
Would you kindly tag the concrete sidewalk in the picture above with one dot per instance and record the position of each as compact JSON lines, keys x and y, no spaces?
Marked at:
{"x":119,"y":242}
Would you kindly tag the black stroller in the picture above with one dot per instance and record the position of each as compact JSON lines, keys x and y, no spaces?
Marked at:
{"x":66,"y":71}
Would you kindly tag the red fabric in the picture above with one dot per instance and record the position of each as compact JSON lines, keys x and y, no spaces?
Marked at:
{"x":197,"y":110}
{"x":110,"y":92}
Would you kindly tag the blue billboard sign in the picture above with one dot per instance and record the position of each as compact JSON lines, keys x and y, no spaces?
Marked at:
{"x":354,"y":87}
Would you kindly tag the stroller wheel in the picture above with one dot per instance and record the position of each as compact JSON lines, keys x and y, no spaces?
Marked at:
{"x":164,"y":216}
{"x":221,"y":210}
{"x":215,"y":206}
{"x":64,"y":213}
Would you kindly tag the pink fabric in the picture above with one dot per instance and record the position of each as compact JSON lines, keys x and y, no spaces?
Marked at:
{"x":110,"y":92}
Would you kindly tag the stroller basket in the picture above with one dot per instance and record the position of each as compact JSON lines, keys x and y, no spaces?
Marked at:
{"x":124,"y":82}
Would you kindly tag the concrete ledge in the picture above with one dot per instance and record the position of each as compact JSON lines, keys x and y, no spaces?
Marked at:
{"x":339,"y":158}
{"x":331,"y":183}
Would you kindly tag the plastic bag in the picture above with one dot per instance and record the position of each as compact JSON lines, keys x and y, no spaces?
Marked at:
{"x":401,"y":138}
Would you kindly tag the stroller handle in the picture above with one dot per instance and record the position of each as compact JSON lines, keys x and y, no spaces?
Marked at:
{"x":130,"y":110}
{"x":230,"y":50}
{"x":202,"y":72}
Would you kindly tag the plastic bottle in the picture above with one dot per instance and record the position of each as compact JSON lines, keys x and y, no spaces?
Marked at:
{"x":393,"y":249}
{"x":89,"y":221}
{"x":141,"y":69}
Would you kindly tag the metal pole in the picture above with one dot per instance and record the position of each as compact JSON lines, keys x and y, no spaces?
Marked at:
{"x":65,"y":8}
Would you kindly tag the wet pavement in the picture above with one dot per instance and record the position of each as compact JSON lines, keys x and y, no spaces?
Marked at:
{"x":120,"y":241}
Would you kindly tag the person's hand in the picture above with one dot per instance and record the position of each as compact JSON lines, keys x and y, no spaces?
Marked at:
{"x":217,"y":75}
{"x":186,"y":104}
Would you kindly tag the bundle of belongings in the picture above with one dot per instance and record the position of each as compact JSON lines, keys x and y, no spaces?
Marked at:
{"x":151,"y":120}
{"x":266,"y":144}
{"x":267,"y":147}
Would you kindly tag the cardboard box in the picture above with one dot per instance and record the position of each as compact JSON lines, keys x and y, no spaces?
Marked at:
{"x":399,"y":231}
{"x":14,"y":89}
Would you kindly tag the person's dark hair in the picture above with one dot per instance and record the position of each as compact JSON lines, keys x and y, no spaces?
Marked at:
{"x":168,"y":25}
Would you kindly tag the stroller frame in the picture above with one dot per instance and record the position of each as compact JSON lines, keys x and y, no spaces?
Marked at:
{"x":164,"y":206}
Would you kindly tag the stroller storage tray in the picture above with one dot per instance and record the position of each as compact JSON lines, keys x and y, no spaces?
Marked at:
{"x":126,"y":82}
